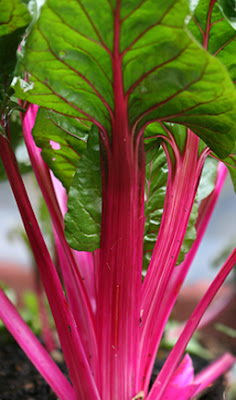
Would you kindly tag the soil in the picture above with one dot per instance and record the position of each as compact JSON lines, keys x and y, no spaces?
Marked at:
{"x":18,"y":377}
{"x":19,"y":380}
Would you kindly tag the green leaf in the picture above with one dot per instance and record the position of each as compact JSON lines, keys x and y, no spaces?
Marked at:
{"x":155,"y":189}
{"x":221,"y":37}
{"x":228,"y":8}
{"x":62,"y":140}
{"x":221,"y":43}
{"x":72,"y":57}
{"x":13,"y":15}
{"x":83,"y":219}
{"x":14,"y":18}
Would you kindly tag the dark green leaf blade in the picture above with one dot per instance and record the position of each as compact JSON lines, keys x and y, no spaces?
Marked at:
{"x":228,"y":8}
{"x":83,"y":219}
{"x":62,"y":140}
{"x":14,"y":17}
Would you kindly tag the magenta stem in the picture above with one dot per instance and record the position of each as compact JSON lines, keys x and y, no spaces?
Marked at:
{"x":178,"y":350}
{"x":120,"y":270}
{"x":75,"y":289}
{"x":34,"y":350}
{"x":69,"y":336}
{"x":181,"y":190}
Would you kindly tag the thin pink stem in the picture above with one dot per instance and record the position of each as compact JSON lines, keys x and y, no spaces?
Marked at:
{"x":77,"y":296}
{"x":84,"y":260}
{"x":181,"y":189}
{"x":206,"y":377}
{"x":34,"y":350}
{"x":65,"y":323}
{"x":178,"y":350}
{"x":208,"y":25}
{"x":179,"y":273}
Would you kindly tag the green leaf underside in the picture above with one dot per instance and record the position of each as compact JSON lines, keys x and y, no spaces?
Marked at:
{"x":222,"y":36}
{"x":14,"y":17}
{"x":83,"y":219}
{"x":62,"y":140}
{"x":165,"y":74}
{"x":155,"y":190}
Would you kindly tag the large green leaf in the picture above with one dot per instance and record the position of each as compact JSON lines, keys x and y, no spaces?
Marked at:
{"x":62,"y":140}
{"x":14,"y":18}
{"x":73,"y":46}
{"x":83,"y":219}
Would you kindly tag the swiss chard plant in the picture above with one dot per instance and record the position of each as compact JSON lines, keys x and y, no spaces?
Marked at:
{"x":123,"y":104}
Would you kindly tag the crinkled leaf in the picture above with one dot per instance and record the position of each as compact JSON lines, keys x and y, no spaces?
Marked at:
{"x":220,"y":38}
{"x":14,"y":18}
{"x":62,"y":140}
{"x":155,"y":188}
{"x":83,"y":219}
{"x":166,"y":75}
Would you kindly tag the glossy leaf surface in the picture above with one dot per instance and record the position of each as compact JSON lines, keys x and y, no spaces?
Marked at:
{"x":62,"y":140}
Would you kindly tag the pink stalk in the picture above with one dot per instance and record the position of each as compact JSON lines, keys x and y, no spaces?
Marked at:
{"x":77,"y":296}
{"x":73,"y":350}
{"x":84,"y":259}
{"x":121,"y":249}
{"x":34,"y":350}
{"x":182,"y":385}
{"x":175,"y":355}
{"x":181,"y":189}
{"x":47,"y":335}
{"x":211,"y":373}
{"x":180,"y":272}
